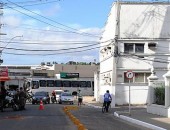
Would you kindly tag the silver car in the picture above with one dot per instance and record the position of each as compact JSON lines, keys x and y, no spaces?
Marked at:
{"x":66,"y":97}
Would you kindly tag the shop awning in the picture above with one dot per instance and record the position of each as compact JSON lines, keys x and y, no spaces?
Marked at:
{"x":4,"y":78}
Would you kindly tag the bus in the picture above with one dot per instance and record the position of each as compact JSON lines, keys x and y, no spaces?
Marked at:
{"x":51,"y":84}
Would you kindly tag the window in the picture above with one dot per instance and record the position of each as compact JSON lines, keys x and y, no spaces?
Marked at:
{"x":133,"y":48}
{"x":50,"y":83}
{"x":139,"y":77}
{"x":83,"y":84}
{"x":139,"y":48}
{"x":66,"y":84}
{"x":128,"y":48}
{"x":75,"y":83}
{"x":88,"y":84}
{"x":43,"y":83}
{"x":58,"y":83}
{"x":35,"y":84}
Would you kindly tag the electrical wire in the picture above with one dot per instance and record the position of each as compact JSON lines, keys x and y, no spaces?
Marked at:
{"x":67,"y":50}
{"x":32,"y":50}
{"x":53,"y":53}
{"x":80,"y":33}
{"x":40,"y":3}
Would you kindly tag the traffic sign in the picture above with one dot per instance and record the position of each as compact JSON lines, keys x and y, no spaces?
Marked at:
{"x":129,"y":74}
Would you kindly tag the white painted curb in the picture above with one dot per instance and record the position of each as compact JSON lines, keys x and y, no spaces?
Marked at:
{"x":138,"y":122}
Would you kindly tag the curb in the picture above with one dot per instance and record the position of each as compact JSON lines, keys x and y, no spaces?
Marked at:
{"x":132,"y":120}
{"x":138,"y":122}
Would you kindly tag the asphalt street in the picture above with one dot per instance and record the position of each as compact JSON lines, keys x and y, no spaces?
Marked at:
{"x":51,"y":118}
{"x":54,"y":118}
{"x":94,"y":119}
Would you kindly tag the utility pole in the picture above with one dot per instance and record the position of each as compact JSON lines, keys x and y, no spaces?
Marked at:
{"x":1,"y":13}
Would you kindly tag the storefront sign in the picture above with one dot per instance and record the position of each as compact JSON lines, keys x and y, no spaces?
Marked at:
{"x":69,"y":75}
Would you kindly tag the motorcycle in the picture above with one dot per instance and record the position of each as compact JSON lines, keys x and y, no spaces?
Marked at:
{"x":9,"y":102}
{"x":29,"y":96}
{"x":53,"y":99}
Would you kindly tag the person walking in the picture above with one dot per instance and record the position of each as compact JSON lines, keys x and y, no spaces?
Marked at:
{"x":107,"y":100}
{"x":22,"y":99}
{"x":3,"y":95}
{"x":80,"y":98}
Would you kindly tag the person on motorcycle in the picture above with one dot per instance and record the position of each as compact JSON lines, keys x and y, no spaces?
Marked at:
{"x":54,"y":95}
{"x":107,"y":100}
{"x":2,"y":95}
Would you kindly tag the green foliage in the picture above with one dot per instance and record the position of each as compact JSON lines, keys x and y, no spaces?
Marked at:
{"x":160,"y":95}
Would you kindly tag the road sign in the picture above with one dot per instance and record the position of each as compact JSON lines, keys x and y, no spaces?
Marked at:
{"x":129,"y":74}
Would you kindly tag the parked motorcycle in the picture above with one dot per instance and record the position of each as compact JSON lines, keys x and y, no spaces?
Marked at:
{"x":29,"y":96}
{"x":9,"y":102}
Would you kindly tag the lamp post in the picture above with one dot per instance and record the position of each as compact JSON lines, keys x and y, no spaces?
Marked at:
{"x":10,"y":42}
{"x":1,"y":61}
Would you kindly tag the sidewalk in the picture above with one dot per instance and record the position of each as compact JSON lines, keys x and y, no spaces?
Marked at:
{"x":138,"y":115}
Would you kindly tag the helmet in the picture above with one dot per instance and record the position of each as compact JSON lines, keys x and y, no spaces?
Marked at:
{"x":107,"y":91}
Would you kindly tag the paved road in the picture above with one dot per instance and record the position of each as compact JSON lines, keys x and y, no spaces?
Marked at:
{"x":94,"y":119}
{"x":53,"y":118}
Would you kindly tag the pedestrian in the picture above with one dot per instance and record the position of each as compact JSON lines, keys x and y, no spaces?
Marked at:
{"x":3,"y":95}
{"x":80,"y":98}
{"x":16,"y":96}
{"x":22,"y":99}
{"x":107,"y":100}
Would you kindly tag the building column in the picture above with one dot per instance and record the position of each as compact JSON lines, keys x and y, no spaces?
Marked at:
{"x":151,"y":80}
{"x":167,"y":87}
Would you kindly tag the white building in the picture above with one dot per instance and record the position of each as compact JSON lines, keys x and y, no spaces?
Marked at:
{"x":136,"y":38}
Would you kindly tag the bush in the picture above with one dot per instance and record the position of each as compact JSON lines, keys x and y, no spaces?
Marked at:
{"x":160,"y":95}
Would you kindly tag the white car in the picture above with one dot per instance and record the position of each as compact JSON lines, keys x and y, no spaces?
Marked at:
{"x":66,"y":97}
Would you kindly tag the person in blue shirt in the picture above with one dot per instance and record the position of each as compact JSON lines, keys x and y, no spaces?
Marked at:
{"x":107,"y":100}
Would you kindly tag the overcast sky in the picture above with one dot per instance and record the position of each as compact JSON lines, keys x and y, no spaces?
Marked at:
{"x":52,"y":30}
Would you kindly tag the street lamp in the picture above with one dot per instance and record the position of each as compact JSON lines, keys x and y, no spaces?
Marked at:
{"x":10,"y":42}
{"x":1,"y":61}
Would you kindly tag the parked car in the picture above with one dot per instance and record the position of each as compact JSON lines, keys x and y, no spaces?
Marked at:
{"x":66,"y":97}
{"x":38,"y":96}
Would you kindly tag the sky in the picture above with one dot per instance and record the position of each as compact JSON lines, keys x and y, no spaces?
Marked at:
{"x":52,"y":30}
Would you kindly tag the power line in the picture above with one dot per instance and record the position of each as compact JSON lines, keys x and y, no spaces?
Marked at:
{"x":41,"y":30}
{"x":29,"y":42}
{"x":53,"y":53}
{"x":38,"y":3}
{"x":20,"y":49}
{"x":66,"y":50}
{"x":81,"y":33}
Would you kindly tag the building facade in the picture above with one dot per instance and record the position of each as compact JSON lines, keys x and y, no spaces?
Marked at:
{"x":17,"y":74}
{"x":136,"y":38}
